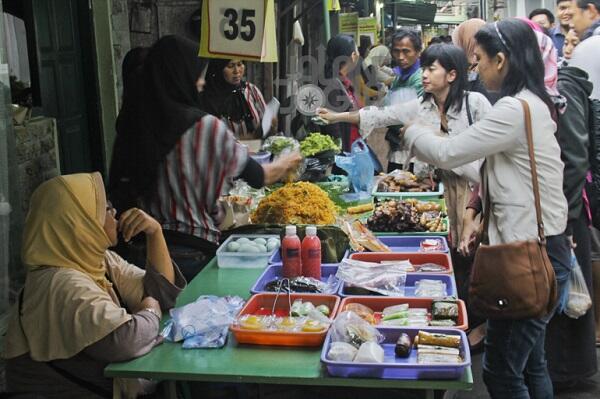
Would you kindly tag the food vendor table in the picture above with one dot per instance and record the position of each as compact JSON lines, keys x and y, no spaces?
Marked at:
{"x":247,"y":363}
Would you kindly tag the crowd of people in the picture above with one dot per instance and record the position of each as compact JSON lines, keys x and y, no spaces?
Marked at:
{"x":459,"y":109}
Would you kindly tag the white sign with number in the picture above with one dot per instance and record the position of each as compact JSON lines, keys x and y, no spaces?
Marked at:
{"x":238,"y":29}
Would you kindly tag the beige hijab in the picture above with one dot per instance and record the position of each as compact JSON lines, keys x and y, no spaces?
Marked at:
{"x":464,"y":36}
{"x":68,"y":304}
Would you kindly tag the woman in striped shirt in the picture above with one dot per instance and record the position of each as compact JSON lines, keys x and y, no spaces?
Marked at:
{"x":174,"y":160}
{"x":238,"y":103}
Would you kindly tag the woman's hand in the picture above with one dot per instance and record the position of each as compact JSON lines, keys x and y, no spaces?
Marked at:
{"x":328,"y":115}
{"x":470,"y":232}
{"x":134,"y":221}
{"x":281,"y":167}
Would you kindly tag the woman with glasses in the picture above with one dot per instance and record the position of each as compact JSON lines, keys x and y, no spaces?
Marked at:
{"x":509,"y":61}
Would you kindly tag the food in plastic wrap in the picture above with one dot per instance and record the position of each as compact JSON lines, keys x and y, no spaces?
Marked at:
{"x":369,"y":352}
{"x":362,"y":238}
{"x":298,"y":284}
{"x":430,"y":268}
{"x":438,"y":354}
{"x":578,"y":299}
{"x":279,"y":144}
{"x":400,"y":315}
{"x":431,"y":245}
{"x":281,"y":323}
{"x":407,"y":215}
{"x":365,"y":312}
{"x":296,"y":203}
{"x":383,"y":279}
{"x":430,"y":288}
{"x":351,"y":328}
{"x":444,"y":309}
{"x":442,"y":323}
{"x":403,"y":307}
{"x":403,"y":346}
{"x":436,"y":339}
{"x":341,"y":352}
{"x":404,"y":181}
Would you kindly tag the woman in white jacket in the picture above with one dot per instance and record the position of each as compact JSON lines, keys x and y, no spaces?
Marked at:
{"x":510,"y":62}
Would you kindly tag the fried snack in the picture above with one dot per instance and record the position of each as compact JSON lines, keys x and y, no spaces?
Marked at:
{"x":449,"y":341}
{"x":353,"y":210}
{"x":363,"y":311}
{"x":296,"y":203}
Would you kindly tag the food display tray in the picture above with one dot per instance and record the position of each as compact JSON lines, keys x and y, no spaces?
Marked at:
{"x":412,"y":243}
{"x":411,"y":279}
{"x":275,"y":271}
{"x":244,"y":260}
{"x":400,"y":368}
{"x":279,"y":338}
{"x":378,"y":303}
{"x":442,"y":259}
{"x":443,"y":233}
{"x":425,"y":195}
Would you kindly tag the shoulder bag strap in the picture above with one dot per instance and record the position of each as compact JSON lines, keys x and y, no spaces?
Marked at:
{"x":534,"y":182}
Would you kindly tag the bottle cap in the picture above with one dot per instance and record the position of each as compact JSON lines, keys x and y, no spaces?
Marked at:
{"x":311,"y":231}
{"x":290,"y":230}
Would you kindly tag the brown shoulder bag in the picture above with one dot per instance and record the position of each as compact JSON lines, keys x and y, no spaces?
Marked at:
{"x":515,"y":280}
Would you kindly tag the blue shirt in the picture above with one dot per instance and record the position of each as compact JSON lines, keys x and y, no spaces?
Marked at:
{"x":558,"y":39}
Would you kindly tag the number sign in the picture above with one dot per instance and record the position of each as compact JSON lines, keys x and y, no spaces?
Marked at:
{"x":239,"y":29}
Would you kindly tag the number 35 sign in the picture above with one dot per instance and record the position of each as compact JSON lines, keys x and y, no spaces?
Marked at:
{"x":239,"y":29}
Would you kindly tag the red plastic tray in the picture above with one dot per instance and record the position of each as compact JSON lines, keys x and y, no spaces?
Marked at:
{"x":377,"y":304}
{"x":442,"y":259}
{"x":256,"y":305}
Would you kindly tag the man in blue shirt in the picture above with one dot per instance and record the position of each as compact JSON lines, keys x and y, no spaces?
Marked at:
{"x":564,"y":13}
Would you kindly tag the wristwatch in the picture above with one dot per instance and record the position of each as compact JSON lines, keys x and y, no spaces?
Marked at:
{"x":151,"y":310}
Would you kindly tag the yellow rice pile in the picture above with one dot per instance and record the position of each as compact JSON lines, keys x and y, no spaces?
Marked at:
{"x":296,"y":203}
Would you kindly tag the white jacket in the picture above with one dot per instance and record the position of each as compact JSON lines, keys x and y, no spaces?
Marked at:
{"x":500,"y":138}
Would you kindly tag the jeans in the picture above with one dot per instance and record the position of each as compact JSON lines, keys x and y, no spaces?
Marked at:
{"x":514,"y":362}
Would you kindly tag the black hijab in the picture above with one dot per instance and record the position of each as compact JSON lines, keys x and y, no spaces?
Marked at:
{"x":225,"y":100}
{"x":161,"y":104}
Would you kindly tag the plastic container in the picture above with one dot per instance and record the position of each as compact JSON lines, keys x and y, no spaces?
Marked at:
{"x":266,"y":300}
{"x":400,"y":368}
{"x":244,"y":260}
{"x":274,"y":271}
{"x":442,"y":259}
{"x":291,"y":253}
{"x":412,"y":244}
{"x":262,"y":157}
{"x":426,"y":195}
{"x":411,"y":279}
{"x":378,"y":303}
{"x":311,"y":254}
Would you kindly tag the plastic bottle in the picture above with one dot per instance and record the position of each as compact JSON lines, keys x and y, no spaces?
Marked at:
{"x":311,"y":254}
{"x":290,"y":252}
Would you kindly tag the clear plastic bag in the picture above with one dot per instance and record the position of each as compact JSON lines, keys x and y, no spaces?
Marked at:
{"x":578,"y":298}
{"x":386,"y":279}
{"x":359,"y":167}
{"x":351,"y":328}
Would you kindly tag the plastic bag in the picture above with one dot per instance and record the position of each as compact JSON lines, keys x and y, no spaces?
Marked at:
{"x":351,"y":328}
{"x":578,"y":298}
{"x":359,"y":167}
{"x":203,"y":323}
{"x":385,"y":279}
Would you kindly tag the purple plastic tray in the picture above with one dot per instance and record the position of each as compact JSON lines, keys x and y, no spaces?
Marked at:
{"x":276,"y":258}
{"x":411,"y":243}
{"x":274,"y":271}
{"x":396,"y":367}
{"x":412,"y":278}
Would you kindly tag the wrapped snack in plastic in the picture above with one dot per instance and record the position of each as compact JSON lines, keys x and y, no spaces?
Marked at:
{"x":341,"y":352}
{"x":450,"y":341}
{"x":351,"y":328}
{"x":444,"y":309}
{"x":369,"y":352}
{"x":403,"y":346}
{"x":363,"y":311}
{"x":362,"y":238}
{"x":430,"y":288}
{"x":383,"y":279}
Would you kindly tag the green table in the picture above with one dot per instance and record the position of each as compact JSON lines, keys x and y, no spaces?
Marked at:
{"x":249,"y":363}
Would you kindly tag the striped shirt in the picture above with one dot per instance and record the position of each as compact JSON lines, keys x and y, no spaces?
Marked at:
{"x":198,"y":169}
{"x":256,"y":103}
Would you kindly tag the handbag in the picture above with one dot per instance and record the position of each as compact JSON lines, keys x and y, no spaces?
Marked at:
{"x":515,"y":280}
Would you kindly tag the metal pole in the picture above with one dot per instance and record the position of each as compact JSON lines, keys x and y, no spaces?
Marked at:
{"x":326,"y":20}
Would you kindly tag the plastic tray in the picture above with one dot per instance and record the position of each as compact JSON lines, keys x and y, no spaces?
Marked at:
{"x":266,"y":300}
{"x":400,"y":368}
{"x":240,"y":260}
{"x":442,"y":259}
{"x":426,"y":195}
{"x":403,"y":244}
{"x":444,"y":233}
{"x":276,"y":257}
{"x":378,"y":303}
{"x":275,"y":271}
{"x":411,"y":279}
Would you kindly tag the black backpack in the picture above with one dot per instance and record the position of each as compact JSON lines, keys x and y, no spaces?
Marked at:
{"x":592,"y":184}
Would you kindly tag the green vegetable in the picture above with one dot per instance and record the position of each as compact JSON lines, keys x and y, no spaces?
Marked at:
{"x":280,"y":143}
{"x":399,"y":315}
{"x":317,"y":142}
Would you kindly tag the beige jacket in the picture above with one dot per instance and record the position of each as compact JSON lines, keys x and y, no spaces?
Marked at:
{"x":500,"y":138}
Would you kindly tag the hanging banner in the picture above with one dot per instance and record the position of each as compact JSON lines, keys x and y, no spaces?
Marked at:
{"x":349,"y":24}
{"x":238,"y":29}
{"x":334,"y":5}
{"x":367,"y":26}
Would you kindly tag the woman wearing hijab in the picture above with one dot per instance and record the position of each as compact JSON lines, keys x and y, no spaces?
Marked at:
{"x":379,"y":59}
{"x":82,"y":305}
{"x":238,"y":103}
{"x":175,"y":160}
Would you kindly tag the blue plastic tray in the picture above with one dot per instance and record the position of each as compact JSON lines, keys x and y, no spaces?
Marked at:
{"x":276,"y":258}
{"x":412,"y":278}
{"x":400,"y":368}
{"x":275,"y":271}
{"x":411,"y":243}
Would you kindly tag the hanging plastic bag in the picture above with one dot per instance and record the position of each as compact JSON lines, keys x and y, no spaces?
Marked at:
{"x":578,"y":300}
{"x":359,"y":166}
